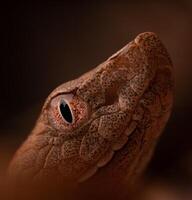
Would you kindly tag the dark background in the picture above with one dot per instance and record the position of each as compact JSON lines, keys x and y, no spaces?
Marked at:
{"x":44,"y":45}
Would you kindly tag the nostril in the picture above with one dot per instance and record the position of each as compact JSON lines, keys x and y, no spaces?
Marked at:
{"x":111,"y":96}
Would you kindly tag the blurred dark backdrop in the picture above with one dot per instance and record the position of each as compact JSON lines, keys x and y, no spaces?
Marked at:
{"x":44,"y":45}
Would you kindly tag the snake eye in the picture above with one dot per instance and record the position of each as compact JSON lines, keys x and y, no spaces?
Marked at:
{"x":65,"y":111}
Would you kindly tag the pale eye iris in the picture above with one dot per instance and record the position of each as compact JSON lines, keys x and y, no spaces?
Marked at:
{"x":65,"y":111}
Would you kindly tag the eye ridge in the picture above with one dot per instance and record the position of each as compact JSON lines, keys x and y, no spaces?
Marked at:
{"x":66,"y":111}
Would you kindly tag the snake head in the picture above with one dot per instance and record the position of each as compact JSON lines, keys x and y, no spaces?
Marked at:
{"x":105,"y":123}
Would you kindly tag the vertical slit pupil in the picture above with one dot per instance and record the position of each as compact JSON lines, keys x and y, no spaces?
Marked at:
{"x":66,"y":112}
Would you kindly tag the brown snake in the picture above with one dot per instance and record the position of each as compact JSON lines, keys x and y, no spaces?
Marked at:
{"x":103,"y":125}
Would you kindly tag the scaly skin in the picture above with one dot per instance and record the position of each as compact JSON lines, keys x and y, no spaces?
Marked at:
{"x":119,"y":111}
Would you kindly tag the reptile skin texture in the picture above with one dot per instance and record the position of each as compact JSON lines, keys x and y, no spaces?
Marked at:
{"x":119,"y":109}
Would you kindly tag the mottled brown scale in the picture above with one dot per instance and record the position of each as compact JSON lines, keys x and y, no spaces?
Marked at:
{"x":120,"y":109}
{"x":112,"y":126}
{"x":70,"y":148}
{"x":106,"y":110}
{"x":93,"y":146}
{"x":41,"y":157}
{"x":53,"y":157}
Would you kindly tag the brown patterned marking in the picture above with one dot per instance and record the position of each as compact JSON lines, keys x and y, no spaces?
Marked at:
{"x":120,"y":109}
